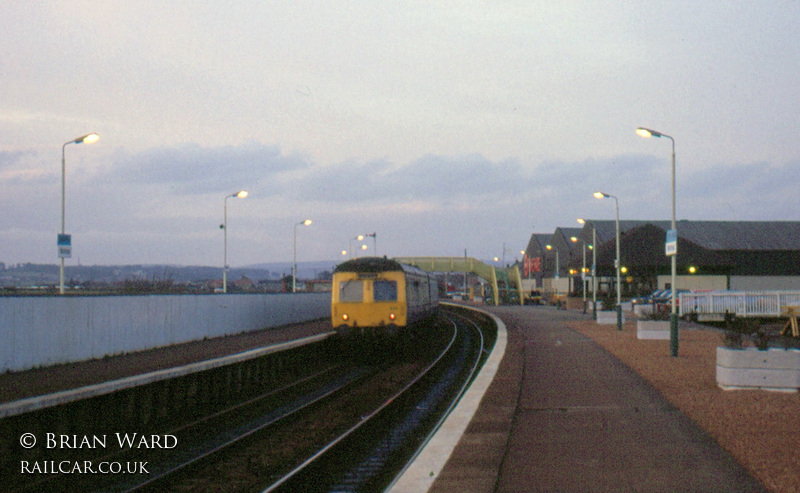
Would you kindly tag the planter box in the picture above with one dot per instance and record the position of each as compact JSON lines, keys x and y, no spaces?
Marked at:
{"x":608,"y":317}
{"x":652,"y":329}
{"x":773,"y":369}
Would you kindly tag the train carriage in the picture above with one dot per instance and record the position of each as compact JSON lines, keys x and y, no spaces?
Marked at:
{"x":380,"y":295}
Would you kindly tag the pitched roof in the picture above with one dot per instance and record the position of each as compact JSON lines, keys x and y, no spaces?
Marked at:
{"x":714,"y":235}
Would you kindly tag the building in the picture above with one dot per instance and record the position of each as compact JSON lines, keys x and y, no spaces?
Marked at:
{"x":736,"y":255}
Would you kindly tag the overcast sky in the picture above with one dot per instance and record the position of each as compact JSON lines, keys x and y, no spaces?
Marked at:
{"x":440,"y":126}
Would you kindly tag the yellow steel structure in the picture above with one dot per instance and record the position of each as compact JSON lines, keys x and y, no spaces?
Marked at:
{"x":468,"y":264}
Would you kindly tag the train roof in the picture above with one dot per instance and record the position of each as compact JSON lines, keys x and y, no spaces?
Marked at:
{"x":375,"y":264}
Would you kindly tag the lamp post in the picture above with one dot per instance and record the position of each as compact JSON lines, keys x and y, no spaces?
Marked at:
{"x":89,"y":139}
{"x":594,"y":268}
{"x":224,"y":226}
{"x":350,"y":244}
{"x":307,"y":222}
{"x":673,"y":319}
{"x":374,"y":243}
{"x":617,"y":262}
{"x":575,"y":239}
{"x":555,"y":275}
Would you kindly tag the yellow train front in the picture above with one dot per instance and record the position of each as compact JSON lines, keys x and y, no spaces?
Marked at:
{"x":380,"y":295}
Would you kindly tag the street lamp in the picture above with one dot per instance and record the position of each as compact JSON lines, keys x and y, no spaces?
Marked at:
{"x":63,"y":240}
{"x":594,"y":268}
{"x":307,"y":222}
{"x":575,"y":239}
{"x":224,"y":226}
{"x":673,"y":319}
{"x":556,"y":275}
{"x":617,"y":262}
{"x":350,"y":244}
{"x":374,"y":243}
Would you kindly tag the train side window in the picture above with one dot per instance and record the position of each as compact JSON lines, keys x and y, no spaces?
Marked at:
{"x":384,"y":290}
{"x":351,"y":291}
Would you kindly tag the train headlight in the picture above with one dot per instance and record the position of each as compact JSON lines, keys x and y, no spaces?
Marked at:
{"x":392,"y":316}
{"x":345,"y":317}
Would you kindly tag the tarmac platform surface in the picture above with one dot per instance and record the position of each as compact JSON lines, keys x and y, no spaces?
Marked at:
{"x":563,"y":414}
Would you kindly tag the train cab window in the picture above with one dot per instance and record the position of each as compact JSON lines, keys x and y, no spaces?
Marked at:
{"x":384,"y":291}
{"x":351,"y":291}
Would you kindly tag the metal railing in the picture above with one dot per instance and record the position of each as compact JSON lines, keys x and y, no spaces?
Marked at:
{"x":739,"y":303}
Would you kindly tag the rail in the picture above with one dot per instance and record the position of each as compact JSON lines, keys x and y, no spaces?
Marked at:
{"x":739,"y":303}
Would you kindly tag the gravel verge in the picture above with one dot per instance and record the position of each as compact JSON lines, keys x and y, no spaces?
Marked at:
{"x":761,"y":429}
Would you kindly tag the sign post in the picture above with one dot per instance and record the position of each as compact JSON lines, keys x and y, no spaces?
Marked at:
{"x":64,"y":246}
{"x":671,"y":246}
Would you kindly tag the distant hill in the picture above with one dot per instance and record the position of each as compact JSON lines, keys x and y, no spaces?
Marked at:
{"x":28,"y":274}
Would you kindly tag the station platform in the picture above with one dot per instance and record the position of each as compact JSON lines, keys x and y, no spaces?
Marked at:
{"x":562,"y":414}
{"x":43,"y":383}
{"x":559,"y":413}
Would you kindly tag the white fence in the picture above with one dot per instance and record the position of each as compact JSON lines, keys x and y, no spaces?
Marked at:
{"x":42,"y":331}
{"x":739,"y":303}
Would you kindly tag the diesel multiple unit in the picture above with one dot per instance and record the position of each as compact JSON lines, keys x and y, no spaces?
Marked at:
{"x":380,"y":295}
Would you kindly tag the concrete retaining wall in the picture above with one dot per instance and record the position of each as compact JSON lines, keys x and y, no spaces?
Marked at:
{"x":43,"y":331}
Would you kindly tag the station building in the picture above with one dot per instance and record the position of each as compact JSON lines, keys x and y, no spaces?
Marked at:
{"x":712,"y":255}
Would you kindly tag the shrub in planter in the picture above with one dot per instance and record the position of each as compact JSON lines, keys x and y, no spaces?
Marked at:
{"x":656,"y":315}
{"x":740,"y":367}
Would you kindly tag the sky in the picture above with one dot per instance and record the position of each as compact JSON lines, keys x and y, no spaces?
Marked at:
{"x":440,"y":126}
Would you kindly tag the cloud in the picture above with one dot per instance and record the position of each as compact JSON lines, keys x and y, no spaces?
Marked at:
{"x":754,"y":191}
{"x":164,"y":204}
{"x":436,"y":179}
{"x":191,"y":169}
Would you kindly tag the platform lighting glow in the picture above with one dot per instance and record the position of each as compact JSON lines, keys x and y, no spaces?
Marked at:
{"x":87,"y":139}
{"x":647,"y":133}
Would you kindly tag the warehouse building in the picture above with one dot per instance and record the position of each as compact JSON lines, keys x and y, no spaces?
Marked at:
{"x":736,"y":255}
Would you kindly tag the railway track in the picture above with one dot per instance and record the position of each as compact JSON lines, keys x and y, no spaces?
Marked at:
{"x":371,"y":454}
{"x":349,"y":427}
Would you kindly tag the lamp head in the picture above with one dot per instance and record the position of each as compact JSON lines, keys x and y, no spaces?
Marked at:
{"x":241,"y":194}
{"x":600,"y":195}
{"x":581,"y":220}
{"x":647,"y":133}
{"x":88,"y":138}
{"x":307,"y":222}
